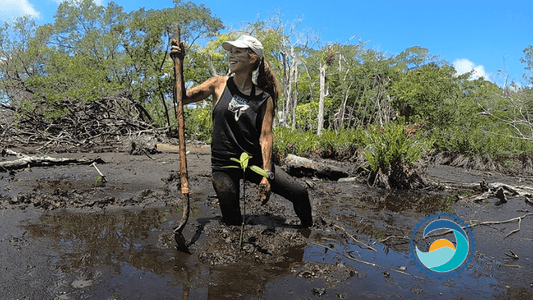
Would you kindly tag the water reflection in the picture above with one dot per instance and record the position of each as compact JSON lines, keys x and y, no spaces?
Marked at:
{"x":132,"y":254}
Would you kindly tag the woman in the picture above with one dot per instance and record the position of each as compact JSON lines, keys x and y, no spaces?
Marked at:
{"x":243,"y":113}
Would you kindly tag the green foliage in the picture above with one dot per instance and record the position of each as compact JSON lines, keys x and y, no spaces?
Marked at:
{"x":432,"y":92}
{"x":528,"y":60}
{"x":307,"y":114}
{"x":96,"y":180}
{"x":199,"y":124}
{"x":92,"y":51}
{"x":391,"y":145}
{"x":287,"y":140}
{"x":495,"y":140}
{"x":242,"y":161}
{"x":340,"y":140}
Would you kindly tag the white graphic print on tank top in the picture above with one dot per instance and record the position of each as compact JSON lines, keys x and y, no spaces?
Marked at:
{"x":237,"y":106}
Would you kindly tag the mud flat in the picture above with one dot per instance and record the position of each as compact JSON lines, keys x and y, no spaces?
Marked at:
{"x":65,"y":234}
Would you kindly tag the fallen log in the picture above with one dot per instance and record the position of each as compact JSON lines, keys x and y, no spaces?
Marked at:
{"x":24,"y":161}
{"x":300,"y":166}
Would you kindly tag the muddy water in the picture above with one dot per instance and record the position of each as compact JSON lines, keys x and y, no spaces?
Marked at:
{"x":129,"y":254}
{"x":123,"y":249}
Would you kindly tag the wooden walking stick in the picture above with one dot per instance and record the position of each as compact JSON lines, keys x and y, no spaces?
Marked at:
{"x":178,"y":100}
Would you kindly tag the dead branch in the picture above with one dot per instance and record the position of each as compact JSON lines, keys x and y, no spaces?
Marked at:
{"x":519,"y":219}
{"x":391,"y":237}
{"x":364,"y":262}
{"x":500,"y":191}
{"x":24,"y":161}
{"x":102,"y":122}
{"x":518,"y":116}
{"x":353,"y":238}
{"x":516,"y":230}
{"x":512,"y":255}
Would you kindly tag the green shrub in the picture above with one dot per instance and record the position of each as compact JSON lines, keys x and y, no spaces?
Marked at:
{"x":339,"y":140}
{"x":294,"y":141}
{"x":391,"y":145}
{"x":287,"y":140}
{"x":494,"y":140}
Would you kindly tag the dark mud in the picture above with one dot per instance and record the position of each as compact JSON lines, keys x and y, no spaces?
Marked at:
{"x":66,"y":235}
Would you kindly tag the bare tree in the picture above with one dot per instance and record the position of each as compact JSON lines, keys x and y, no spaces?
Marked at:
{"x":516,"y":111}
{"x":294,"y":87}
{"x":322,"y":69}
{"x":321,"y":104}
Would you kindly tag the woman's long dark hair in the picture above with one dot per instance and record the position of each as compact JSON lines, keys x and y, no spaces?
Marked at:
{"x":266,"y":79}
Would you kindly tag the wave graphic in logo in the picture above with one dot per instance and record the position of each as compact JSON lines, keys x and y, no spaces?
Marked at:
{"x":444,"y":256}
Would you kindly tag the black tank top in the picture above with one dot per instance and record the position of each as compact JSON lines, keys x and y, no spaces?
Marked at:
{"x":236,"y":126}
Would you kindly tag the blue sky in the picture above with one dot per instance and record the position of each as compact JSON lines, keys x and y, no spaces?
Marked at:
{"x":485,"y":36}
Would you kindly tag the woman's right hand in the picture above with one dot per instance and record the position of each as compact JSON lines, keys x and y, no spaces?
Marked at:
{"x":177,"y":51}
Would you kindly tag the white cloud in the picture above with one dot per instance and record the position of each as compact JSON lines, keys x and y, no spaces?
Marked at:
{"x":98,"y":2}
{"x":17,"y":8}
{"x":464,"y":65}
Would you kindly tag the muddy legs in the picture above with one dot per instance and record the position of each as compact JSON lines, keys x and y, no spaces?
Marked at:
{"x":226,"y":184}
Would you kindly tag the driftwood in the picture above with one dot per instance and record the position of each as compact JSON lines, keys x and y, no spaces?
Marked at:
{"x":301,"y":166}
{"x":24,"y":161}
{"x":399,"y":271}
{"x":500,"y":191}
{"x":474,"y":224}
{"x":519,"y":219}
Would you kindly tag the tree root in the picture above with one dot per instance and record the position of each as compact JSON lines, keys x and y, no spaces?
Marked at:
{"x":398,"y":176}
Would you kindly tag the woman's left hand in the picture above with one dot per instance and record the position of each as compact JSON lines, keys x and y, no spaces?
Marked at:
{"x":264,"y":190}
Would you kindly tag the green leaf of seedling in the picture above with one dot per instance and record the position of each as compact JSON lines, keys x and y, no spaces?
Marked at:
{"x":245,"y":156}
{"x":244,"y":160}
{"x":259,"y":171}
{"x":230,"y":167}
{"x":98,"y":178}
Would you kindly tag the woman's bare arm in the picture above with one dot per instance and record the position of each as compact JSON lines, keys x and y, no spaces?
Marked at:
{"x":211,"y":87}
{"x":266,"y":139}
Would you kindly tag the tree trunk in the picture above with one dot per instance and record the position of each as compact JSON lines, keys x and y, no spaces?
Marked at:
{"x":294,"y":93}
{"x":165,"y":107}
{"x":322,"y":99}
{"x":342,"y":109}
{"x":286,"y":86}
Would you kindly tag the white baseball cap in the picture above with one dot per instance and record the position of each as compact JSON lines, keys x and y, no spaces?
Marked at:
{"x":245,"y":41}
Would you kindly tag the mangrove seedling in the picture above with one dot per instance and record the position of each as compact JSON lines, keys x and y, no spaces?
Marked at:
{"x":96,"y":180}
{"x":243,"y":165}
